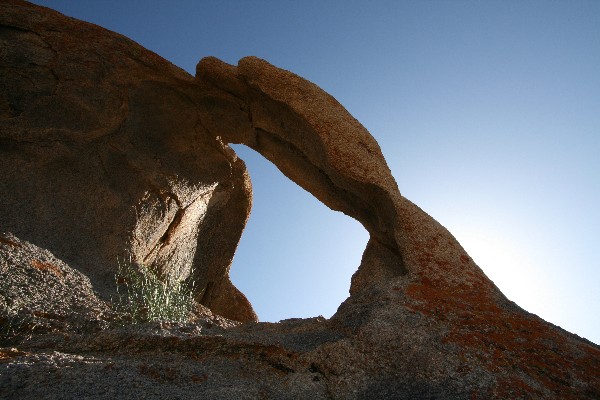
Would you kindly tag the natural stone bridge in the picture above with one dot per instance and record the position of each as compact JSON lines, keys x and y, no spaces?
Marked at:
{"x":107,"y":150}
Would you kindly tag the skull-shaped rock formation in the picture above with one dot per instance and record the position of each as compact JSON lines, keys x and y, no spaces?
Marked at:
{"x":108,"y":151}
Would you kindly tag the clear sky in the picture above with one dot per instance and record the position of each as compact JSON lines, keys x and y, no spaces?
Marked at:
{"x":488,"y":114}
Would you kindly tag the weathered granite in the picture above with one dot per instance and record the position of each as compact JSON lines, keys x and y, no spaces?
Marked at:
{"x":104,"y":157}
{"x":40,"y":294}
{"x":422,"y":321}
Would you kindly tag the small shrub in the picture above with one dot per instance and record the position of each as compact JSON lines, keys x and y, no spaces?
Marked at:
{"x":144,"y":297}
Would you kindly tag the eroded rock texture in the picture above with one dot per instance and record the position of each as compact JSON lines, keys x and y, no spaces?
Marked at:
{"x":41,"y":294}
{"x":104,"y":157}
{"x":108,"y":150}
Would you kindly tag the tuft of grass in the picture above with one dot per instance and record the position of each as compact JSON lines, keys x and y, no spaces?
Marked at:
{"x":15,"y":328}
{"x":143,"y":297}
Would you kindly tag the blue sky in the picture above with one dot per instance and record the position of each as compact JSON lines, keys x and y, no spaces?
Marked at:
{"x":488,"y":114}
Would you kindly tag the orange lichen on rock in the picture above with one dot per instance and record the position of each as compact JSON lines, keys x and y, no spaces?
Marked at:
{"x":501,"y":338}
{"x":44,"y":266}
{"x":8,"y":354}
{"x":8,"y":242}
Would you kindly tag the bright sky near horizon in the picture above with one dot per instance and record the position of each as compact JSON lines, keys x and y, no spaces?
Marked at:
{"x":488,"y":114}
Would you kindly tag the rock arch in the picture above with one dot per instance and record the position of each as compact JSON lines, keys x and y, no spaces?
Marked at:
{"x":315,"y":142}
{"x":129,"y":154}
{"x":106,"y":147}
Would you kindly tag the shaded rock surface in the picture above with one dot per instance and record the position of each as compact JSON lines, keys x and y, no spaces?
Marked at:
{"x":105,"y":148}
{"x":41,"y":294}
{"x":104,"y":158}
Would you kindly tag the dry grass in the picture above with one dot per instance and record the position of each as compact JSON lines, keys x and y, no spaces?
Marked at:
{"x":144,"y":297}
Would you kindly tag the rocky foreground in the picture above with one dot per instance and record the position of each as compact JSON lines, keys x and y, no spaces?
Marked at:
{"x":108,"y":151}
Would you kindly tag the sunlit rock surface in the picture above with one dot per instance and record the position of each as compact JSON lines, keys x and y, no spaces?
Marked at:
{"x":109,"y":151}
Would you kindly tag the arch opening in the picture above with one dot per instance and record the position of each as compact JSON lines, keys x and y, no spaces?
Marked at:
{"x":296,"y":257}
{"x":319,"y":146}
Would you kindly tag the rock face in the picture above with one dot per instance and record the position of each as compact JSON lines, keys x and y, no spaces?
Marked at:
{"x":41,"y":294}
{"x":104,"y":157}
{"x":106,"y":151}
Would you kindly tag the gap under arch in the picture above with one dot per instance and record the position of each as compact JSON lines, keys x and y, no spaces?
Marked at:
{"x":296,"y":256}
